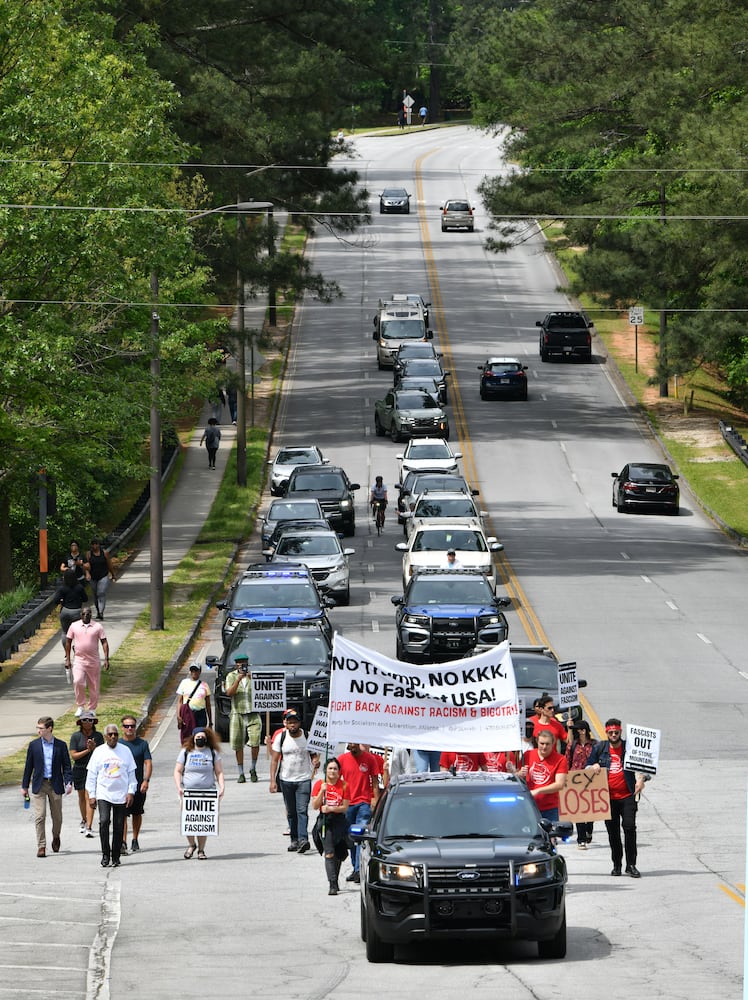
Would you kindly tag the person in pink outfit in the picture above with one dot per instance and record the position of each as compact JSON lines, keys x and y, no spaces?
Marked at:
{"x":84,"y":637}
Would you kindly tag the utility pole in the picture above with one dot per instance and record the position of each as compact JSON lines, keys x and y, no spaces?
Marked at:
{"x":663,"y":314}
{"x":156,"y":529}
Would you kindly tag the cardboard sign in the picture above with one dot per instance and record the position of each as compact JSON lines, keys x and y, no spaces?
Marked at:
{"x":585,"y":798}
{"x":642,"y":749}
{"x":268,"y":692}
{"x":200,"y":814}
{"x":568,"y":688}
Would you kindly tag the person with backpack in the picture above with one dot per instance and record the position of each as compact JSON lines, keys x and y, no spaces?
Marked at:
{"x":292,"y":766}
{"x":212,"y":438}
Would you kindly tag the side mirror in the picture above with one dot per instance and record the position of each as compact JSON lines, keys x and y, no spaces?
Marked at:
{"x":401,"y":547}
{"x":222,"y":606}
{"x":354,"y":486}
{"x":458,"y":454}
{"x":397,"y":601}
{"x":212,"y":661}
{"x":504,"y":602}
{"x":430,"y":336}
{"x":349,"y":552}
{"x":538,"y":322}
{"x":496,"y":546}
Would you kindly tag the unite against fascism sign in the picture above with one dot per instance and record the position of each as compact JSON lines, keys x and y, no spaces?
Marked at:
{"x":468,"y":704}
{"x":200,"y":813}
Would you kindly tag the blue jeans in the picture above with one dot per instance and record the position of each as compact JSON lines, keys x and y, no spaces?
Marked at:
{"x":296,"y":795}
{"x":358,"y":813}
{"x":426,"y":760}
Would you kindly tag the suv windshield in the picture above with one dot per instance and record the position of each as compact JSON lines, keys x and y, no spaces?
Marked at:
{"x":461,"y":590}
{"x":275,"y":595}
{"x":422,"y":451}
{"x":459,"y":507}
{"x":403,"y":329}
{"x":461,"y":812}
{"x":308,"y":545}
{"x":416,"y":401}
{"x":277,"y":648}
{"x":448,"y":538}
{"x":318,"y":481}
{"x":297,"y":456}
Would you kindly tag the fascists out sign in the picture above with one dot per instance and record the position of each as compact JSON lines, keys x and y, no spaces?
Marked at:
{"x":642,"y":749}
{"x":200,"y":814}
{"x":585,"y":797}
{"x":468,"y":704}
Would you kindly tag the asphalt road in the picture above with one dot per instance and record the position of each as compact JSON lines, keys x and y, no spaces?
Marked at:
{"x":649,"y":606}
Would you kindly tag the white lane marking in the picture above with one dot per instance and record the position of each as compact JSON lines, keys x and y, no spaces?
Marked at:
{"x":704,"y":638}
{"x":672,"y":605}
{"x":743,"y":674}
{"x":554,"y":425}
{"x":370,"y":566}
{"x":562,"y":446}
{"x":375,"y":626}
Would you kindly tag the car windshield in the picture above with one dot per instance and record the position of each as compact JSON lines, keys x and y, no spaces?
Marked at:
{"x":424,"y":451}
{"x":650,"y":473}
{"x":284,"y":510}
{"x":276,"y":648}
{"x":416,"y":351}
{"x":394,"y":193}
{"x":458,"y":206}
{"x":307,"y":482}
{"x":297,"y":456}
{"x":442,"y":539}
{"x":459,"y":507}
{"x":423,"y":366}
{"x":275,"y":595}
{"x":308,"y":545}
{"x":416,"y":401}
{"x":535,"y":672}
{"x":459,"y":812}
{"x":418,"y":482}
{"x":460,"y":590}
{"x":403,"y":329}
{"x":502,"y":368}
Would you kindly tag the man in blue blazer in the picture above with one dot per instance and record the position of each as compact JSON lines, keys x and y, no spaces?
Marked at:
{"x":49,"y":774}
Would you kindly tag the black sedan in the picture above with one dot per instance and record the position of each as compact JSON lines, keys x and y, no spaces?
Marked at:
{"x":503,"y":377}
{"x":394,"y":200}
{"x":425,"y":368}
{"x":645,"y":484}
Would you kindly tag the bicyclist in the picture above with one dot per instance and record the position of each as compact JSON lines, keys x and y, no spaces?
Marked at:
{"x":378,"y":496}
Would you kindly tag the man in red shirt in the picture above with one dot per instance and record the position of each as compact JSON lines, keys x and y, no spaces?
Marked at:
{"x":624,"y":786}
{"x":361,"y":770}
{"x":462,"y":762}
{"x":545,"y":772}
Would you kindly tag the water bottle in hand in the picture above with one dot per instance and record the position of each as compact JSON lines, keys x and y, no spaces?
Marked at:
{"x":27,"y":801}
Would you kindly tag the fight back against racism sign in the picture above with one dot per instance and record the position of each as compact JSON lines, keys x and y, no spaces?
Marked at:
{"x":642,"y":749}
{"x":468,"y":704}
{"x":200,"y":814}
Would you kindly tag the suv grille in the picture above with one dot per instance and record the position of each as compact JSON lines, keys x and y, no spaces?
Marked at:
{"x":490,"y":879}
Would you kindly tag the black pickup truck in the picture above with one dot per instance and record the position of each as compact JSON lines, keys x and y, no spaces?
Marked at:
{"x":565,"y":335}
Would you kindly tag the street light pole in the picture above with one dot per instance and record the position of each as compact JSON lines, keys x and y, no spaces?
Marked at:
{"x":156,"y":529}
{"x":241,"y":396}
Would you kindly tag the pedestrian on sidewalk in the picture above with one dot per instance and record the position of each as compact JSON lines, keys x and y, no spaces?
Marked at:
{"x":199,"y":769}
{"x":423,"y":114}
{"x":332,"y":798}
{"x":84,"y":636}
{"x":82,"y":745}
{"x":292,"y":766}
{"x":76,"y":561}
{"x":71,"y":596}
{"x":101,"y":569}
{"x":232,"y":401}
{"x":212,"y":438}
{"x":245,"y":726}
{"x":49,"y":775}
{"x":193,"y":694}
{"x":111,"y":785}
{"x":141,"y":753}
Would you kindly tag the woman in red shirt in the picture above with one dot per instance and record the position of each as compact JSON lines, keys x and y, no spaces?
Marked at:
{"x":546,"y":719}
{"x":332,"y":798}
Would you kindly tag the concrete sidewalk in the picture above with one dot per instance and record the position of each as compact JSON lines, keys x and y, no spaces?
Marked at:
{"x":40,"y":687}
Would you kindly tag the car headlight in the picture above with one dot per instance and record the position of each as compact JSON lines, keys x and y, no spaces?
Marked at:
{"x":230,"y":625}
{"x":394,"y":874}
{"x":416,"y":620}
{"x":345,"y":503}
{"x":485,"y":620}
{"x":534,"y":871}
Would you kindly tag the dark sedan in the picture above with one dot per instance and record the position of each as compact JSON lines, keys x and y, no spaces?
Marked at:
{"x":394,"y":200}
{"x":502,"y":378}
{"x":645,"y":484}
{"x":426,"y":368}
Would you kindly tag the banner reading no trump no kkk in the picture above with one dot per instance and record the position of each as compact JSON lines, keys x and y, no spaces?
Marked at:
{"x":468,"y":704}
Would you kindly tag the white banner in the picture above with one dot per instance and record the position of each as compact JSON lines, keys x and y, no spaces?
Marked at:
{"x":468,"y":704}
{"x":642,"y":749}
{"x":268,"y":691}
{"x":200,"y":814}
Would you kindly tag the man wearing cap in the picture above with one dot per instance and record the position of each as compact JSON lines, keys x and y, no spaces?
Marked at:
{"x":49,"y":774}
{"x":82,"y":745}
{"x":141,"y":753}
{"x":84,"y":636}
{"x":111,"y":784}
{"x":292,"y":767}
{"x":452,"y":561}
{"x":245,"y":726}
{"x":624,"y":785}
{"x":193,"y":691}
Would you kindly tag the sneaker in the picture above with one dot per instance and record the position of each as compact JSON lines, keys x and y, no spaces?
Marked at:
{"x":79,"y":711}
{"x":304,"y":846}
{"x":123,"y":849}
{"x":582,"y":846}
{"x":104,"y":860}
{"x":354,"y":877}
{"x":241,"y":779}
{"x":253,"y":776}
{"x":83,"y":826}
{"x":293,"y":846}
{"x":116,"y":864}
{"x":89,"y":832}
{"x":134,"y":847}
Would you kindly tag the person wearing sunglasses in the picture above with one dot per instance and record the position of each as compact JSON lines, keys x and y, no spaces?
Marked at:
{"x":624,"y":786}
{"x":141,"y":752}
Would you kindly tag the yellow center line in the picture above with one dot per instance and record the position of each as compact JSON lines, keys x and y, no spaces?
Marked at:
{"x":525,"y":612}
{"x":733,"y":895}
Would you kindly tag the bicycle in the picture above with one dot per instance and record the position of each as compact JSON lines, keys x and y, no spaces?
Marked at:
{"x":378,"y":507}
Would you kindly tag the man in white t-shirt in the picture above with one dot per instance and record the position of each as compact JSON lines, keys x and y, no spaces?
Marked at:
{"x":110,"y":781}
{"x":292,"y":767}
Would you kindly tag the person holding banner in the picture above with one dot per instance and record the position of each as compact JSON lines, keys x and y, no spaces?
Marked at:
{"x":332,"y":798}
{"x":199,"y":769}
{"x":361,"y":770}
{"x":624,"y":785}
{"x":546,"y":771}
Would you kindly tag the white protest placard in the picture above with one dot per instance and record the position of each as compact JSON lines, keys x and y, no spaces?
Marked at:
{"x":468,"y":704}
{"x":642,"y":749}
{"x":568,"y":688}
{"x":200,"y":813}
{"x":316,"y":740}
{"x":268,"y":691}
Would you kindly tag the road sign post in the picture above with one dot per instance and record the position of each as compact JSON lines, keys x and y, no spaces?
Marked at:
{"x":636,"y":319}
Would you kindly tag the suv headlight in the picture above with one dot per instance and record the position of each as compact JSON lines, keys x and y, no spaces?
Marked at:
{"x":230,"y":624}
{"x":345,"y":503}
{"x":534,"y":871}
{"x":416,"y":620}
{"x":396,"y":874}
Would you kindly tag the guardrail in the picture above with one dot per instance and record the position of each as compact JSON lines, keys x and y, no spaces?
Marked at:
{"x":735,"y":440}
{"x":24,"y":623}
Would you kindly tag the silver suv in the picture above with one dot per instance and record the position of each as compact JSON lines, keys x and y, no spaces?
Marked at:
{"x":398,"y":323}
{"x":457,"y":214}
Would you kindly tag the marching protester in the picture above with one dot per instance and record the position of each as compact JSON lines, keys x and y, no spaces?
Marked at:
{"x":291,"y":769}
{"x":82,"y":745}
{"x":199,"y":769}
{"x":360,"y":769}
{"x":245,"y":726}
{"x":332,"y":798}
{"x":545,"y":774}
{"x":101,"y":570}
{"x":111,"y":785}
{"x":71,"y":596}
{"x":141,"y":753}
{"x":49,"y":775}
{"x":577,"y":757}
{"x":624,"y":786}
{"x":545,"y":718}
{"x":193,"y":694}
{"x":84,"y":637}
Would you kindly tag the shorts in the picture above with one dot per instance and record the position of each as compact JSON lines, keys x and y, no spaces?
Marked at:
{"x":138,"y":804}
{"x":79,"y":780}
{"x":245,"y":730}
